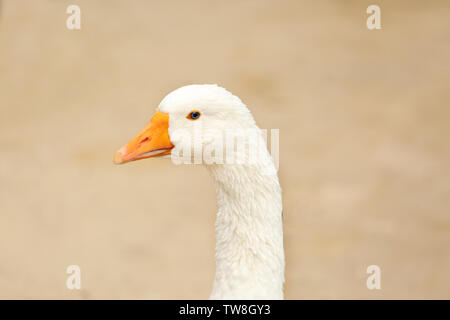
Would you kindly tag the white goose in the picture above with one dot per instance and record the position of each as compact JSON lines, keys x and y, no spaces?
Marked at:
{"x":249,"y":234}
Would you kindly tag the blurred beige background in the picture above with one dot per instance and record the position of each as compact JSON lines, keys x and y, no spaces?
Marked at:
{"x":364,"y":156}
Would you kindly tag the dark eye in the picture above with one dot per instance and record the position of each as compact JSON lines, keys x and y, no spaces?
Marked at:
{"x":194,"y":115}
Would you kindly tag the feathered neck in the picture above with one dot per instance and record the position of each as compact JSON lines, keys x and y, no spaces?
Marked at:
{"x":249,"y":234}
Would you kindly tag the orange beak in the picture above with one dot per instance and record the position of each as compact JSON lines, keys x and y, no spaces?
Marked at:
{"x":152,"y":141}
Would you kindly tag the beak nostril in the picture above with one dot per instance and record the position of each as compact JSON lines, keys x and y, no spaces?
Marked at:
{"x":143,"y":140}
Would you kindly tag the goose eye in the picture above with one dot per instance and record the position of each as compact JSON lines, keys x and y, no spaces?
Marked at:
{"x":194,"y":115}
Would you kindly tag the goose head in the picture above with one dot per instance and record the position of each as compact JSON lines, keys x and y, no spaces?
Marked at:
{"x":202,"y":112}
